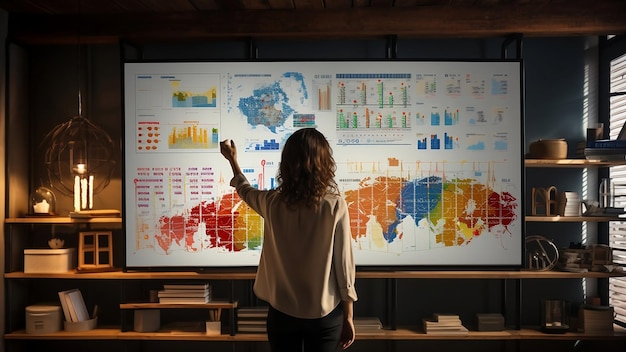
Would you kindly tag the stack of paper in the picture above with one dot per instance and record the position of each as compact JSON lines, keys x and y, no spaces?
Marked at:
{"x":367,"y":324}
{"x":252,"y":319}
{"x":185,"y":293}
{"x":444,"y":324}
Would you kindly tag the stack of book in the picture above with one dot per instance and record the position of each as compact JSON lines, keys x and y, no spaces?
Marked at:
{"x":444,"y":324}
{"x":252,"y":319}
{"x":73,"y":304}
{"x":185,"y":293}
{"x":367,"y":325}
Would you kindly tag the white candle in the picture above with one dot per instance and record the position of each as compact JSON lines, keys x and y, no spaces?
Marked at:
{"x":83,"y":193}
{"x":90,"y":192}
{"x":76,"y":193}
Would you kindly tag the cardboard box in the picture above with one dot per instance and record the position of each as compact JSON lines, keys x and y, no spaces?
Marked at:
{"x":53,"y":261}
{"x":596,"y":319}
{"x":147,"y":320}
{"x":43,"y":319}
{"x":490,"y":322}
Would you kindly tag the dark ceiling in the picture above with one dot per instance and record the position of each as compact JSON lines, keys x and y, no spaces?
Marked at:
{"x":58,"y":21}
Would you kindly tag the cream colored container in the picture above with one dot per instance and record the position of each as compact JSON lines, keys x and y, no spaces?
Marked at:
{"x":49,"y":261}
{"x":43,"y":319}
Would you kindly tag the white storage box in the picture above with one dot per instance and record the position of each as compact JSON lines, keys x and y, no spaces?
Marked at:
{"x":43,"y":319}
{"x":43,"y":261}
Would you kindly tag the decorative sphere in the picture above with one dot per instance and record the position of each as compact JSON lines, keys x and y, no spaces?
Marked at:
{"x":78,"y":142}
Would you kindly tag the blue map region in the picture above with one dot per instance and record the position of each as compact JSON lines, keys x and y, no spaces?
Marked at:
{"x":269,"y":105}
{"x":297,"y":76}
{"x":419,"y":198}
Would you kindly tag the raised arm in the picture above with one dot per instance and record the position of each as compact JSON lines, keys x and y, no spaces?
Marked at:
{"x":229,"y":151}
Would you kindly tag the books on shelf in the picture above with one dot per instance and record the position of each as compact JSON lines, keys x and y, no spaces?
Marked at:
{"x":252,"y":312}
{"x":73,"y":305}
{"x":446,"y":317}
{"x":258,"y":327}
{"x":182,"y":293}
{"x":367,"y":324}
{"x":199,"y":286}
{"x":444,"y":324}
{"x":184,"y":300}
{"x":252,"y":319}
{"x":185,"y":293}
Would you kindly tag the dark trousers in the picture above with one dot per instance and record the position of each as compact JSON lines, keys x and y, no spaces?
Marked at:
{"x":289,"y":334}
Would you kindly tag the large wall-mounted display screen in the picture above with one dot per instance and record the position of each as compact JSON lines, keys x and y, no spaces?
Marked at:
{"x":429,"y":157}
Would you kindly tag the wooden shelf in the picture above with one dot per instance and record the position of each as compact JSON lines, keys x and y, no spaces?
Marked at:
{"x":117,"y":334}
{"x":214,"y":307}
{"x":521,"y":274}
{"x":540,"y":218}
{"x":618,"y":333}
{"x":121,"y":275}
{"x":404,"y":333}
{"x":399,"y":274}
{"x":210,"y":305}
{"x":574,"y":163}
{"x":94,"y":334}
{"x":34,"y":220}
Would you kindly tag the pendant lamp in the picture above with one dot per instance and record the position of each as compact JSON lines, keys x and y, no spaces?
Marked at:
{"x":79,"y":155}
{"x":79,"y":160}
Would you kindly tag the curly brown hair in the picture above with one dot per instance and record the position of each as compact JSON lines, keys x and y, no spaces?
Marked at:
{"x":307,"y":169}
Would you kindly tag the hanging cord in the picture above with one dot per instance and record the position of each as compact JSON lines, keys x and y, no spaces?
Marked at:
{"x":78,"y":59}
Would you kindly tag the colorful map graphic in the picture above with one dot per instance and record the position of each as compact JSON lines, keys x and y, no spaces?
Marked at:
{"x":449,"y":212}
{"x":455,"y":211}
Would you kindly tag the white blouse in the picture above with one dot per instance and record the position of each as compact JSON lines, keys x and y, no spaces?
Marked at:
{"x":306,"y":267}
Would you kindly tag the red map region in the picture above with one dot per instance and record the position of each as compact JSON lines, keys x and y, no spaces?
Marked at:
{"x":221,"y":224}
{"x":489,"y":209}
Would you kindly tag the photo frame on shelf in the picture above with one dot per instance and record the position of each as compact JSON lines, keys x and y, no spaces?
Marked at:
{"x":95,"y":251}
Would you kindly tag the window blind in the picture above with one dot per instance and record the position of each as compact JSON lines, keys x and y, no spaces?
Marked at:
{"x":617,"y":229}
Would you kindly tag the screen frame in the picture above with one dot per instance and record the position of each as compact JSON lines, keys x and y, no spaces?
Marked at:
{"x":514,"y":265}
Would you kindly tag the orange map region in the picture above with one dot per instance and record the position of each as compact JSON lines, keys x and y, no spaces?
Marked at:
{"x":460,"y":208}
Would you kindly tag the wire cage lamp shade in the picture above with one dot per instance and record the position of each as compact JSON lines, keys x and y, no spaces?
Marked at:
{"x":75,"y":148}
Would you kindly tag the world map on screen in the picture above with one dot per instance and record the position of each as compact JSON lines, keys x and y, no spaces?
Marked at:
{"x":383,"y":212}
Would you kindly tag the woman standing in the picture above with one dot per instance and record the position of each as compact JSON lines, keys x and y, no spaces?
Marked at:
{"x":306,"y":271}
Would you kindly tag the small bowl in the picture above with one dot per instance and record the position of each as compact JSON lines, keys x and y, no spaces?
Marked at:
{"x":56,"y":243}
